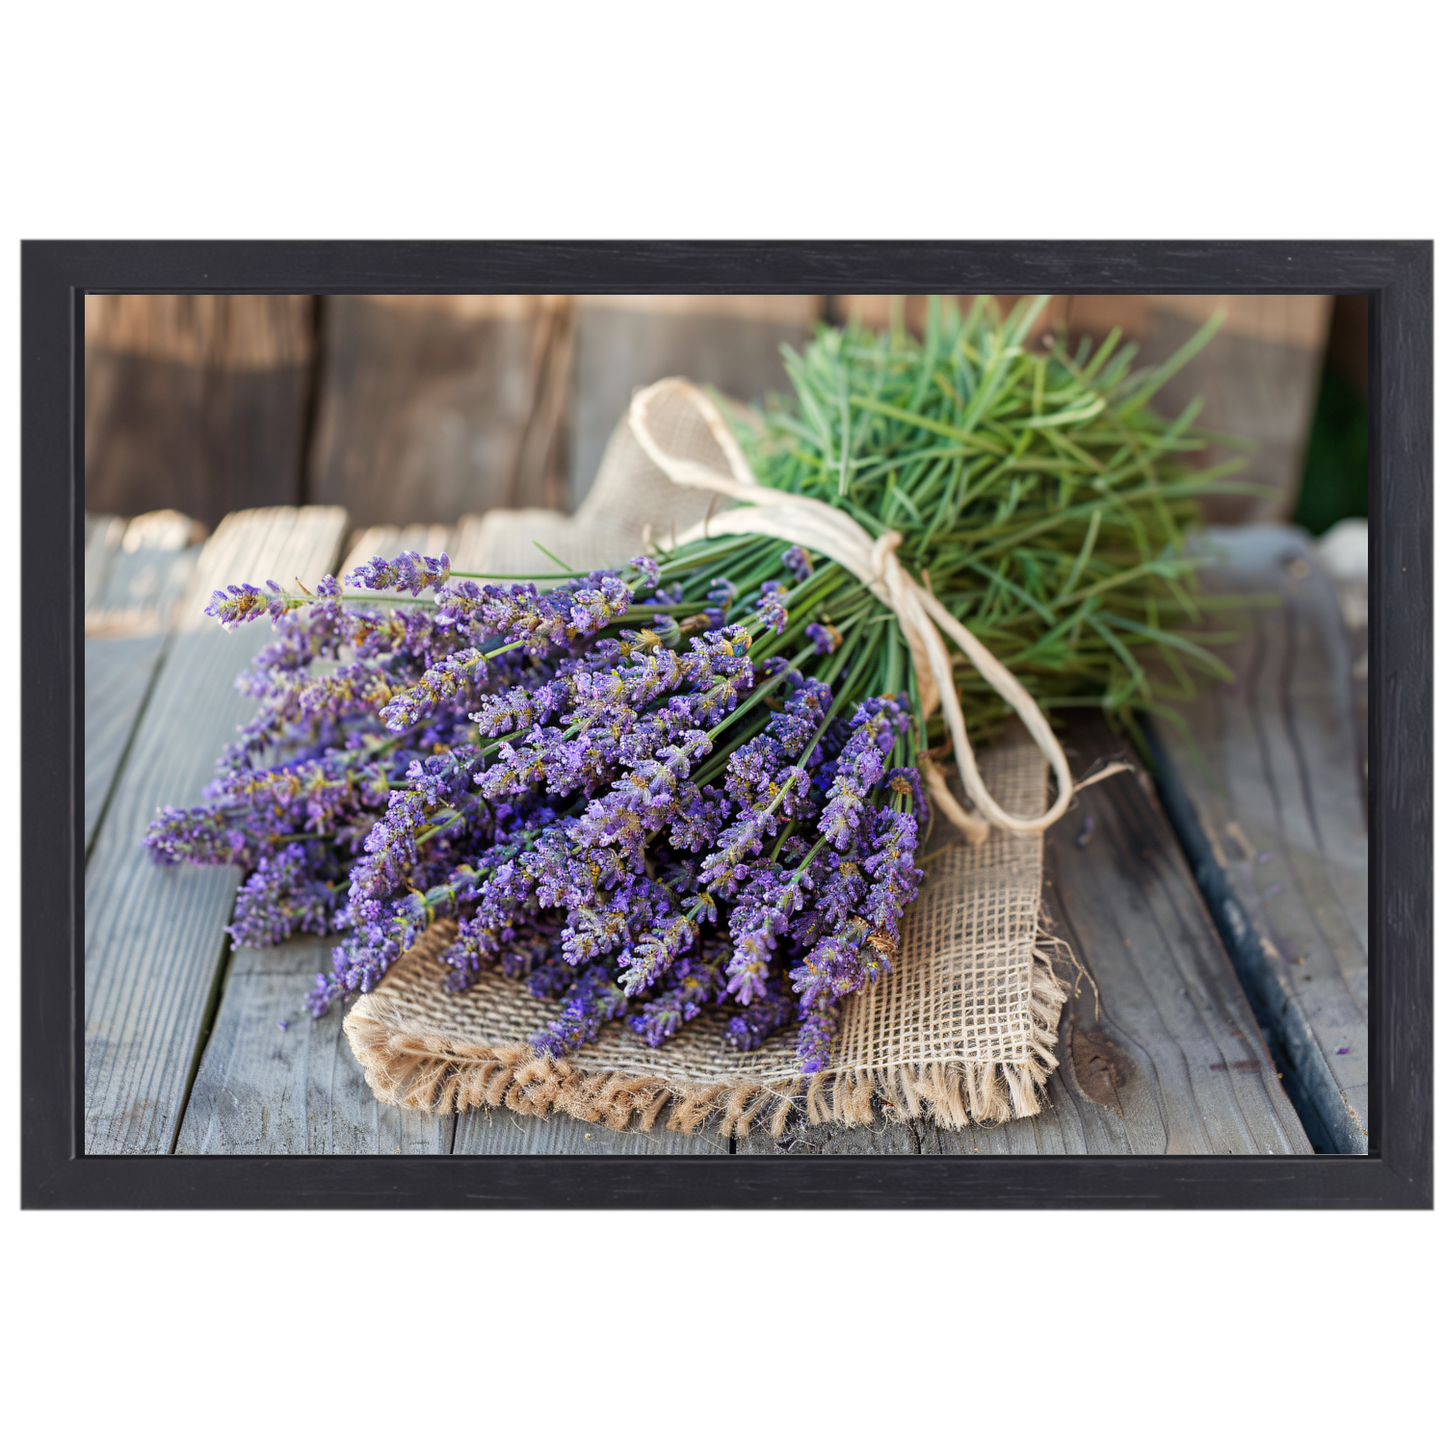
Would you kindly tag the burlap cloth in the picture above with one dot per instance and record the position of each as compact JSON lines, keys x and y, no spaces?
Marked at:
{"x":961,"y":1029}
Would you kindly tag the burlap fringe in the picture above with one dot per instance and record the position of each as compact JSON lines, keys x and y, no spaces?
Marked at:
{"x":439,"y":1075}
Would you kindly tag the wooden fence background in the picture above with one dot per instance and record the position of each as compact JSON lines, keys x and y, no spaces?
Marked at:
{"x":420,"y":409}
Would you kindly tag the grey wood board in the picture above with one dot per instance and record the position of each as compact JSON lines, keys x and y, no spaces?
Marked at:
{"x":264,"y":1089}
{"x":1270,"y":763}
{"x":139,"y":589}
{"x":130,"y":608}
{"x":154,"y":937}
{"x":102,"y":541}
{"x":1172,"y":1062}
{"x":118,"y":672}
{"x":1174,"y":1049}
{"x":500,"y":1131}
{"x":621,"y":349}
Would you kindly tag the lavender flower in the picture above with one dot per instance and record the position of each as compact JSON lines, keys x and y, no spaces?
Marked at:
{"x":771,"y":609}
{"x":822,"y":636}
{"x":760,"y":1020}
{"x":815,"y":1037}
{"x":408,"y":573}
{"x":238,"y":604}
{"x":650,"y":573}
{"x":614,"y":816}
{"x":450,"y":676}
{"x":586,"y":1006}
{"x":798,"y":561}
{"x":281,"y":898}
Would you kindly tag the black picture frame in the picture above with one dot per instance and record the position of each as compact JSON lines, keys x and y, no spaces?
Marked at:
{"x":1397,"y":276}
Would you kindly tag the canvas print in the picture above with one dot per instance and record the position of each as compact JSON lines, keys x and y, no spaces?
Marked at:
{"x":722,"y":724}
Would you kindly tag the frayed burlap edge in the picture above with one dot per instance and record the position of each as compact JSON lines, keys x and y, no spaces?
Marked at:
{"x":439,"y":1075}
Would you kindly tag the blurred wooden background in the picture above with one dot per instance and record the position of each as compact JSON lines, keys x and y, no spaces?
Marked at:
{"x":421,"y":409}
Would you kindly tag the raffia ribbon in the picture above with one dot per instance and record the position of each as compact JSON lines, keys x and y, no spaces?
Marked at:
{"x":825,"y":529}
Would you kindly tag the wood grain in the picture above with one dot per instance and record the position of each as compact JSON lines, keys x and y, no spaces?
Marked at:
{"x":154,"y":937}
{"x":195,"y":402}
{"x":118,"y":675}
{"x":627,"y":342}
{"x":135,"y":575}
{"x":1171,"y":1062}
{"x":1271,"y":766}
{"x":102,"y":540}
{"x":262,"y":1089}
{"x":434,"y":407}
{"x":1173,"y":1051}
{"x":500,"y":1131}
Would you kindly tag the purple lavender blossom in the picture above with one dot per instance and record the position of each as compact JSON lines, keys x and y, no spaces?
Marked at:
{"x":771,"y":607}
{"x":408,"y":573}
{"x":860,"y":767}
{"x":281,"y":898}
{"x":815,"y":1038}
{"x":543,"y":621}
{"x":651,"y":574}
{"x":722,"y":593}
{"x":197,"y":835}
{"x":581,"y":801}
{"x":452,"y":675}
{"x":659,"y":1018}
{"x":757,"y":1022}
{"x":823,"y":637}
{"x":798,"y":561}
{"x":238,"y":604}
{"x":587,"y":1005}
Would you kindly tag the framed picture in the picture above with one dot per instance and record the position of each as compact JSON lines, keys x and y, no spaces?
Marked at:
{"x":764,"y":725}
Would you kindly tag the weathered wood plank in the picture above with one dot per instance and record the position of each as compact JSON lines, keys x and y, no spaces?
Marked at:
{"x":1271,"y":769}
{"x":102,"y":540}
{"x":118,"y":673}
{"x":262,"y":1089}
{"x":1172,"y":1063}
{"x":1174,"y":1049}
{"x":887,"y":1135}
{"x":154,"y":938}
{"x":195,"y":402}
{"x":500,"y":1131}
{"x":129,"y":609}
{"x":433,"y":406}
{"x":623,"y":342}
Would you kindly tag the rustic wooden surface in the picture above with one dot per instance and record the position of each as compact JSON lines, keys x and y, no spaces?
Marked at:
{"x":1165,"y":1057}
{"x":408,"y":409}
{"x":154,"y":937}
{"x":264,"y":1089}
{"x":435,"y":406}
{"x":1170,"y":1063}
{"x":200,"y":403}
{"x":134,"y":578}
{"x":1168,"y":1060}
{"x":1271,"y":765}
{"x":624,"y":342}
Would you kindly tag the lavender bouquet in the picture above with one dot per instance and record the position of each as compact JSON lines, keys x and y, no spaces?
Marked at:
{"x":694,"y":781}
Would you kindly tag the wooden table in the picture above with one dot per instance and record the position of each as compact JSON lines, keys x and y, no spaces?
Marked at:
{"x":1159,"y":1048}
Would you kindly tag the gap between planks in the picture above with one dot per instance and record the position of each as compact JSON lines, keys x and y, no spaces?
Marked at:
{"x":1269,"y":768}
